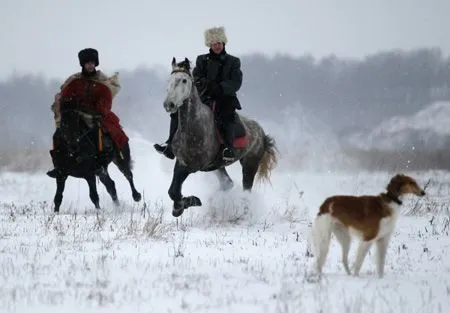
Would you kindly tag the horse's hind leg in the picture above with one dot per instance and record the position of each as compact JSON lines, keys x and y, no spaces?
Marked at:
{"x":226,"y":183}
{"x":93,"y":194}
{"x":123,"y":162}
{"x":249,"y":169}
{"x":110,"y":186}
{"x":60,"y":184}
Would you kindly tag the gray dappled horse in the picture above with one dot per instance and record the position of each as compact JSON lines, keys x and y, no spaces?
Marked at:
{"x":196,"y":144}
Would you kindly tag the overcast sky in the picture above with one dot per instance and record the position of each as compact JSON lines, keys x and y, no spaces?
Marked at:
{"x":44,"y":36}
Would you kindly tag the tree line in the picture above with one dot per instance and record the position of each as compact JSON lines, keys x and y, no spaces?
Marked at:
{"x":343,"y":93}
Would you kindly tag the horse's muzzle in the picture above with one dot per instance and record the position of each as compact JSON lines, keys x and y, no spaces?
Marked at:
{"x":170,"y":107}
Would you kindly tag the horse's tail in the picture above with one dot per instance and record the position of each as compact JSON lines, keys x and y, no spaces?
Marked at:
{"x":269,"y":159}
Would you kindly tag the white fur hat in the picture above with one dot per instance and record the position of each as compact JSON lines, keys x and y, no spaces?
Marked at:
{"x":215,"y":34}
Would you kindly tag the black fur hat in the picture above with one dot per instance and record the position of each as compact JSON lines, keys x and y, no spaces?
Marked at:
{"x":88,"y":54}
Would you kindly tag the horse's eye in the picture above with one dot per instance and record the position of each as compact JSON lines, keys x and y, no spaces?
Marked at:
{"x":184,"y":81}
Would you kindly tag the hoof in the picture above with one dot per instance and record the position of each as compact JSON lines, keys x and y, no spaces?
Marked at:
{"x":137,"y":196}
{"x":183,"y":204}
{"x":191,"y":201}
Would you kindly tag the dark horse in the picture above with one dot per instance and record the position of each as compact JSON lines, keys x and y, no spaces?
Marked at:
{"x":84,"y":151}
{"x":196,"y":144}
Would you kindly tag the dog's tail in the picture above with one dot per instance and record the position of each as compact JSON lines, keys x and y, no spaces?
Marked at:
{"x":320,"y":237}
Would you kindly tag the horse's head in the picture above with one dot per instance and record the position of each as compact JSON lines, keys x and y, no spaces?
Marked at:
{"x":180,"y":85}
{"x":75,"y":124}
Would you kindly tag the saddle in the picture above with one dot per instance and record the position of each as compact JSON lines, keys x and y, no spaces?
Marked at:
{"x":92,"y":120}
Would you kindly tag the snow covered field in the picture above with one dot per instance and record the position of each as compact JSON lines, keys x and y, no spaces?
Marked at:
{"x":236,"y":253}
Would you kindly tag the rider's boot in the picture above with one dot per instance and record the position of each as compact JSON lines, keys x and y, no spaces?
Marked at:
{"x":53,"y":172}
{"x":228,"y":152}
{"x":166,"y":148}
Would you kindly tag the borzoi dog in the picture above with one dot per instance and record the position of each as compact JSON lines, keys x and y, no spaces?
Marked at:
{"x":371,"y":218}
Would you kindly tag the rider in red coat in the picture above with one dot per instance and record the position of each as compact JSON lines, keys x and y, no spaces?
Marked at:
{"x":95,"y":91}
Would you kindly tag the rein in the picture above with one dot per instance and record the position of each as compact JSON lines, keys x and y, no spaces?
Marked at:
{"x":84,"y":134}
{"x":181,"y":70}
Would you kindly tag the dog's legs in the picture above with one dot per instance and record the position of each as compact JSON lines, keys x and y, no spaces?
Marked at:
{"x":363,"y":248}
{"x":343,"y":237}
{"x":382,"y":245}
{"x":321,"y":233}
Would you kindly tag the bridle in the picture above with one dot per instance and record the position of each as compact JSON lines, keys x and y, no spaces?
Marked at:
{"x":181,"y":70}
{"x":186,"y":71}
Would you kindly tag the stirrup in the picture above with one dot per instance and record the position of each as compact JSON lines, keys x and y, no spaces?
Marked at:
{"x":231,"y":154}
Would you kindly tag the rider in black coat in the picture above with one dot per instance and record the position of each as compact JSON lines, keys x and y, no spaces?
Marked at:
{"x":220,"y":73}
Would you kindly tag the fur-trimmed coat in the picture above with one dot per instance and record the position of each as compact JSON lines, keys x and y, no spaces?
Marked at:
{"x":111,"y":82}
{"x":96,"y":94}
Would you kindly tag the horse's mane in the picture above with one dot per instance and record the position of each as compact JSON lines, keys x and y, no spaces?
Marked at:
{"x":81,"y":113}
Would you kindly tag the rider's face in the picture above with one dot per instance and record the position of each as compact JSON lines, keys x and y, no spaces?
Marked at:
{"x":89,"y":66}
{"x":217,"y":47}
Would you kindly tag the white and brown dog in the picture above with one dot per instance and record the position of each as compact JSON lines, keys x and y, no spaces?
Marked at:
{"x":371,"y":218}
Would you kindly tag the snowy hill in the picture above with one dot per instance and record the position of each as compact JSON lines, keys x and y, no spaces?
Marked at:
{"x":427,"y":129}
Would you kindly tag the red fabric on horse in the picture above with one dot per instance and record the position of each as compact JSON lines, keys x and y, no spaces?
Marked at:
{"x":238,"y":142}
{"x":97,"y":97}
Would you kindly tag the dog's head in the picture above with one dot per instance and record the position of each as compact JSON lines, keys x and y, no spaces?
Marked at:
{"x":402,"y":184}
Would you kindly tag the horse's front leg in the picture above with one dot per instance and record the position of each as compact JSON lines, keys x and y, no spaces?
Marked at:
{"x":93,"y":194}
{"x":60,"y":184}
{"x":180,"y":203}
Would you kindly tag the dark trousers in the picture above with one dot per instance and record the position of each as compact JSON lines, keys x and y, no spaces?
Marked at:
{"x":225,"y":116}
{"x":173,"y":126}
